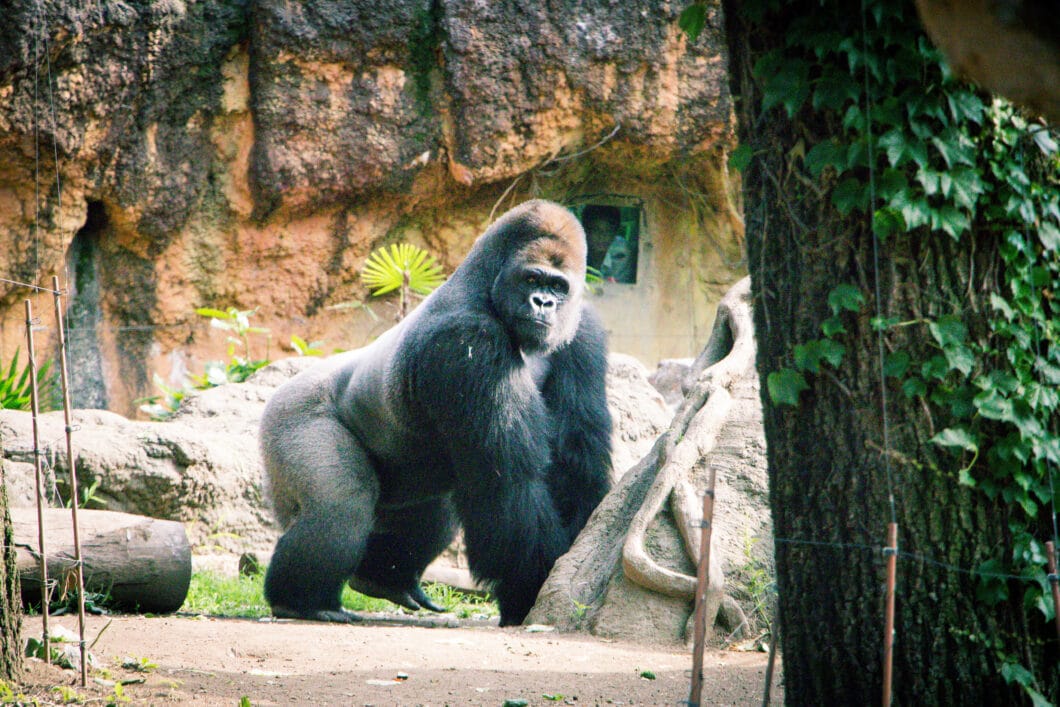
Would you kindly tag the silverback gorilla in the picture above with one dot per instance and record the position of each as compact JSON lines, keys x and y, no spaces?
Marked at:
{"x":485,"y":406}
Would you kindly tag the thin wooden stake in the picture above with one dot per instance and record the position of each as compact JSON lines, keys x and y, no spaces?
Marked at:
{"x":34,"y":405}
{"x":1054,"y":580}
{"x":702,"y":586}
{"x":888,"y":627}
{"x":78,"y":564}
{"x":774,"y":639}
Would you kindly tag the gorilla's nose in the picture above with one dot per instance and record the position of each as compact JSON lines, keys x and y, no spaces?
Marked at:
{"x":542,"y":302}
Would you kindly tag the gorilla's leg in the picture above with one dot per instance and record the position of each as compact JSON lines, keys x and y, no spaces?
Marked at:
{"x":318,"y":463}
{"x":404,"y":541}
{"x":513,"y":535}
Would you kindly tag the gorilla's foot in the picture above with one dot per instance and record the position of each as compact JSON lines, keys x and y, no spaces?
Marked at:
{"x":412,"y":598}
{"x":338,"y":616}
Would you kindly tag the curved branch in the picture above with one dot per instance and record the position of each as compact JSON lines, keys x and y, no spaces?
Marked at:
{"x":691,"y":439}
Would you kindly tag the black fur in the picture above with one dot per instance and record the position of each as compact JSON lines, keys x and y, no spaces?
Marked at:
{"x":486,"y":405}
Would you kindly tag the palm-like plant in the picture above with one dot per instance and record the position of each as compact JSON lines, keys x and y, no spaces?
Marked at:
{"x":402,"y":267}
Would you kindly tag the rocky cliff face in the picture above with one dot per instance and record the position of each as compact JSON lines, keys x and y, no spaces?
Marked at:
{"x":161,"y":156}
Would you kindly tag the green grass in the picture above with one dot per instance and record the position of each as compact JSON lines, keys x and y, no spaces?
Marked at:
{"x":216,"y":594}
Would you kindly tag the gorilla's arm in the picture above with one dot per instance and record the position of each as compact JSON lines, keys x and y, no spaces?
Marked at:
{"x":482,"y":402}
{"x":575,"y":392}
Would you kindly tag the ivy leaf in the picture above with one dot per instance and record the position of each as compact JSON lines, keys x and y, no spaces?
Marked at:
{"x":916,"y":212}
{"x":825,"y":154}
{"x":785,"y":385}
{"x":1049,"y":235}
{"x":789,"y":86}
{"x":966,"y":186}
{"x":832,"y":326}
{"x":955,"y":147}
{"x":845,"y":296}
{"x":948,"y":331}
{"x":960,"y":358}
{"x":808,"y":356}
{"x":929,"y":179}
{"x":832,"y":352}
{"x":1000,"y":304}
{"x":965,"y":105}
{"x":950,"y":220}
{"x":914,"y":387}
{"x":848,"y":195}
{"x":893,"y":143}
{"x":1049,"y":372}
{"x":957,"y":437}
{"x":1045,"y":141}
{"x":740,"y":158}
{"x":896,"y":364}
{"x":887,"y":221}
{"x":993,"y":406}
{"x":834,"y":89}
{"x":692,"y":20}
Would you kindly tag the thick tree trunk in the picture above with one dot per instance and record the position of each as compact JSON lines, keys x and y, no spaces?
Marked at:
{"x":831,"y":472}
{"x":10,"y":601}
{"x":139,"y":563}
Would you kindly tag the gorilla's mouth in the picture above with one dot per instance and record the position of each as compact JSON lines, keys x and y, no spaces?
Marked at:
{"x":541,"y":322}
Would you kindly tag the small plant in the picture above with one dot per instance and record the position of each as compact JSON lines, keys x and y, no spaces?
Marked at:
{"x":238,"y":368}
{"x":88,"y":499}
{"x":68,"y":695}
{"x":118,"y":696}
{"x":756,"y":583}
{"x":138,"y":663}
{"x":162,"y":407}
{"x":16,"y":386}
{"x":405,"y":268}
{"x":306,"y":349}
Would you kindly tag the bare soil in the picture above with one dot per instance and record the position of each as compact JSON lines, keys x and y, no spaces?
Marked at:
{"x":210,"y":661}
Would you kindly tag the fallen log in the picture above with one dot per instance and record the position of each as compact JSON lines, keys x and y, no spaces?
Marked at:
{"x":139,"y":563}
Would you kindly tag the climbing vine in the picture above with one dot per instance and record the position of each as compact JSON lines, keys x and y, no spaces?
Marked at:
{"x":921,"y":155}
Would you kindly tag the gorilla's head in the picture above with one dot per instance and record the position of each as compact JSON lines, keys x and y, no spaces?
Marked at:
{"x":537,"y":291}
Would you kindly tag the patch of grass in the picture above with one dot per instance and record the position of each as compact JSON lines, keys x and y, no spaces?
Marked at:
{"x":216,"y":594}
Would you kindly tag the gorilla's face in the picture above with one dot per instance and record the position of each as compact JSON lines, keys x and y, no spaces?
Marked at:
{"x":534,"y":300}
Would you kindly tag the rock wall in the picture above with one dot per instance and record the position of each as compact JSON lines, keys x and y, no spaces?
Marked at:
{"x":162,"y":156}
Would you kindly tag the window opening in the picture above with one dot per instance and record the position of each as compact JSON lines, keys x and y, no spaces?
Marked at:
{"x":613,"y":238}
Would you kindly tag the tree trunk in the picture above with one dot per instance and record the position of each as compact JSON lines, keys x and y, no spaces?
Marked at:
{"x":831,"y":470}
{"x":139,"y":563}
{"x":10,"y":602}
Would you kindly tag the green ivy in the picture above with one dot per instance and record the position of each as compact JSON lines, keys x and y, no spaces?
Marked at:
{"x":920,"y":152}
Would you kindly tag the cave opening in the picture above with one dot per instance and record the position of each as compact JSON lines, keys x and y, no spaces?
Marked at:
{"x":84,"y":311}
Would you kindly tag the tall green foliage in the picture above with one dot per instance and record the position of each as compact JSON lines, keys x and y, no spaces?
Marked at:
{"x":921,"y":155}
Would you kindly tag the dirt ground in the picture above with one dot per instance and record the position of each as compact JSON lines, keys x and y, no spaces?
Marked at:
{"x":209,"y":661}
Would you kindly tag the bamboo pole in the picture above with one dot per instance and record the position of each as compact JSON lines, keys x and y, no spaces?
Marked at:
{"x":702,"y":586}
{"x":34,"y":405}
{"x":774,"y":640}
{"x":1054,"y":581}
{"x":71,"y":460}
{"x":891,"y":551}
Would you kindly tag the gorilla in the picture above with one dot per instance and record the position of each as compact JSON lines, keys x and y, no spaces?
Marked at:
{"x":485,"y":407}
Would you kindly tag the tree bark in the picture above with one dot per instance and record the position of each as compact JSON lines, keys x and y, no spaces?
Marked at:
{"x":10,"y":604}
{"x":831,"y":471}
{"x":139,"y":563}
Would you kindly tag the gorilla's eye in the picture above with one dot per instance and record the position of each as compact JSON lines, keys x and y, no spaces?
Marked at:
{"x":531,"y":279}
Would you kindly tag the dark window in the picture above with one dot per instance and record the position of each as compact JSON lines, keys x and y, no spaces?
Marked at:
{"x":613,"y":235}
